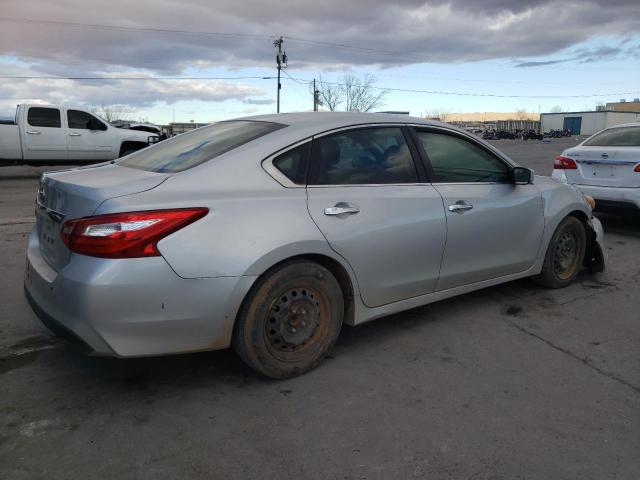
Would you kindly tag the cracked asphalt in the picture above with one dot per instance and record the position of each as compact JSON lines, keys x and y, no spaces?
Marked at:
{"x":509,"y":382}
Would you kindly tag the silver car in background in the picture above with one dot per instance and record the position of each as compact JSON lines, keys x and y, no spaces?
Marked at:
{"x":606,"y":166}
{"x":268,"y":233}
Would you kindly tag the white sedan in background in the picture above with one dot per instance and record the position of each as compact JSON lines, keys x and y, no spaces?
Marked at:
{"x":606,"y":166}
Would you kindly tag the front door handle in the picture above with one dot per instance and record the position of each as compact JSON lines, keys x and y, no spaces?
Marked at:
{"x":75,"y":134}
{"x":342,"y":208}
{"x":33,"y":132}
{"x":460,"y":207}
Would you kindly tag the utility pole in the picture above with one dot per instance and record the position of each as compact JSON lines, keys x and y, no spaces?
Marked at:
{"x":315,"y":96}
{"x":281,"y":59}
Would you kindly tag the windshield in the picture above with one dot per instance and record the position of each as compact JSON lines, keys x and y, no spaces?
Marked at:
{"x":616,"y":137}
{"x":190,"y":149}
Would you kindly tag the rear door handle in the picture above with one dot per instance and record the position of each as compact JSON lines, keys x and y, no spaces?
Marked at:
{"x":342,"y":208}
{"x":33,"y":132}
{"x":460,"y":207}
{"x":75,"y":134}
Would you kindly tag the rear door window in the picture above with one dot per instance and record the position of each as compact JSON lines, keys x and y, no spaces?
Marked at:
{"x":44,"y":117}
{"x":616,"y":137}
{"x":190,"y":149}
{"x":371,"y":156}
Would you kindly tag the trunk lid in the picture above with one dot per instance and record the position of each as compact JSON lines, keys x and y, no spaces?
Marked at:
{"x":77,"y":193}
{"x":604,"y":166}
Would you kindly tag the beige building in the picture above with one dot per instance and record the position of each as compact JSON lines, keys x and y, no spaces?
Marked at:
{"x":624,"y":106}
{"x":586,"y":123}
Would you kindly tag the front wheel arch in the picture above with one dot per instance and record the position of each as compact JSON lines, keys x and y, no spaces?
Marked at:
{"x":572,"y":231}
{"x":594,"y":258}
{"x":129,"y":146}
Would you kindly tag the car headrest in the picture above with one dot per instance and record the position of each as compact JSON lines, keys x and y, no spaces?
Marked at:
{"x":362,"y":161}
{"x":393,"y":149}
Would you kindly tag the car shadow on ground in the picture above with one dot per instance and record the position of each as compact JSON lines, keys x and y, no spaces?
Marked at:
{"x":622,"y":222}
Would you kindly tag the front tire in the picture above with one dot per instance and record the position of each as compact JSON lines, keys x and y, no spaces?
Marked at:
{"x":565,"y":254}
{"x":290,"y":319}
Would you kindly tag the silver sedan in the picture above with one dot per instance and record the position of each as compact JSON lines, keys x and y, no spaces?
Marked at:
{"x":268,"y":233}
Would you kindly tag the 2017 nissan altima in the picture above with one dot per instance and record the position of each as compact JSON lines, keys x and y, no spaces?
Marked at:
{"x":268,"y":233}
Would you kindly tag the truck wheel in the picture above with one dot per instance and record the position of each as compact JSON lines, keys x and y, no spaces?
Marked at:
{"x":290,"y":319}
{"x":564,"y":254}
{"x":128,"y":151}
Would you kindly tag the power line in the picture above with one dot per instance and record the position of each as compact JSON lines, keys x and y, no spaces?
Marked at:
{"x":121,"y":28}
{"x":415,"y":56}
{"x":36,"y":77}
{"x":493,"y":95}
{"x":156,"y":30}
{"x":394,"y":53}
{"x":294,"y":79}
{"x":307,"y":81}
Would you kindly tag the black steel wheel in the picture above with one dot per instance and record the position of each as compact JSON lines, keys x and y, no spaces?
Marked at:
{"x":565,"y":254}
{"x":292,"y":316}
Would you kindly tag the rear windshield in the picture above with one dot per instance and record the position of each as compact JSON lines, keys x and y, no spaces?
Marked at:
{"x":616,"y":137}
{"x":190,"y":149}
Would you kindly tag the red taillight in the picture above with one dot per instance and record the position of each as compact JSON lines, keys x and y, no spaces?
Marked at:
{"x":564,"y":163}
{"x":126,"y":235}
{"x":637,"y":169}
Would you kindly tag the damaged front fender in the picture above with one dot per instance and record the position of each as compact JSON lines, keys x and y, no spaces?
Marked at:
{"x":595,"y":257}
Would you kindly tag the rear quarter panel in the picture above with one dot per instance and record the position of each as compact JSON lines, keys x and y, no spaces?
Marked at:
{"x":253,"y":221}
{"x":10,"y":146}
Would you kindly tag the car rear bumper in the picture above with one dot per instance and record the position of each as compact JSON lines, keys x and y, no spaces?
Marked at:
{"x":606,"y":196}
{"x":612,"y":195}
{"x":132,"y":307}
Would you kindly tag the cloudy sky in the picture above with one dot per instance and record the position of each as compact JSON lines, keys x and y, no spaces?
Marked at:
{"x":463,"y":55}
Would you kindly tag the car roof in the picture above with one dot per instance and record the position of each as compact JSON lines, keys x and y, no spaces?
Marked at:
{"x":330,"y":120}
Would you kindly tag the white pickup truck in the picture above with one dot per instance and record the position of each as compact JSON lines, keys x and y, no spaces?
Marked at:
{"x":51,"y":134}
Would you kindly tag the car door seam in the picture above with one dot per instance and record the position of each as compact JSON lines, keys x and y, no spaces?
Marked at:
{"x":446,"y":236}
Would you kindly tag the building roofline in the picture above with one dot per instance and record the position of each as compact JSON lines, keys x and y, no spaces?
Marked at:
{"x":588,"y":111}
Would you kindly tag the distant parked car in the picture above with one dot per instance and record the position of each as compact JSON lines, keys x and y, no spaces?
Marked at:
{"x":605,"y":166}
{"x":270,"y":232}
{"x":49,"y":135}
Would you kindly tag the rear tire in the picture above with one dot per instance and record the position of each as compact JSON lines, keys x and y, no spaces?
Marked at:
{"x":565,"y":254}
{"x":290,"y":319}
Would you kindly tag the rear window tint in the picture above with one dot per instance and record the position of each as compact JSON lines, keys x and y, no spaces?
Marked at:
{"x":616,"y":137}
{"x":293,"y":164}
{"x":190,"y":149}
{"x":44,"y":117}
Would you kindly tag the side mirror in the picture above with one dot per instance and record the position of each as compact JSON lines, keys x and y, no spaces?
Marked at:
{"x":522,"y":176}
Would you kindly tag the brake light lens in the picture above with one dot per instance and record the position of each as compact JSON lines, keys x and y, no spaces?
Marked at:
{"x":637,"y":169}
{"x":128,"y":234}
{"x":564,"y":163}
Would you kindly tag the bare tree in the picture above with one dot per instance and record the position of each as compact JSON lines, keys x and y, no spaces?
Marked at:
{"x":352,"y":94}
{"x":330,"y":94}
{"x":438,"y":113}
{"x":110,"y":112}
{"x":556,"y":109}
{"x":360,"y":94}
{"x":521,"y":114}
